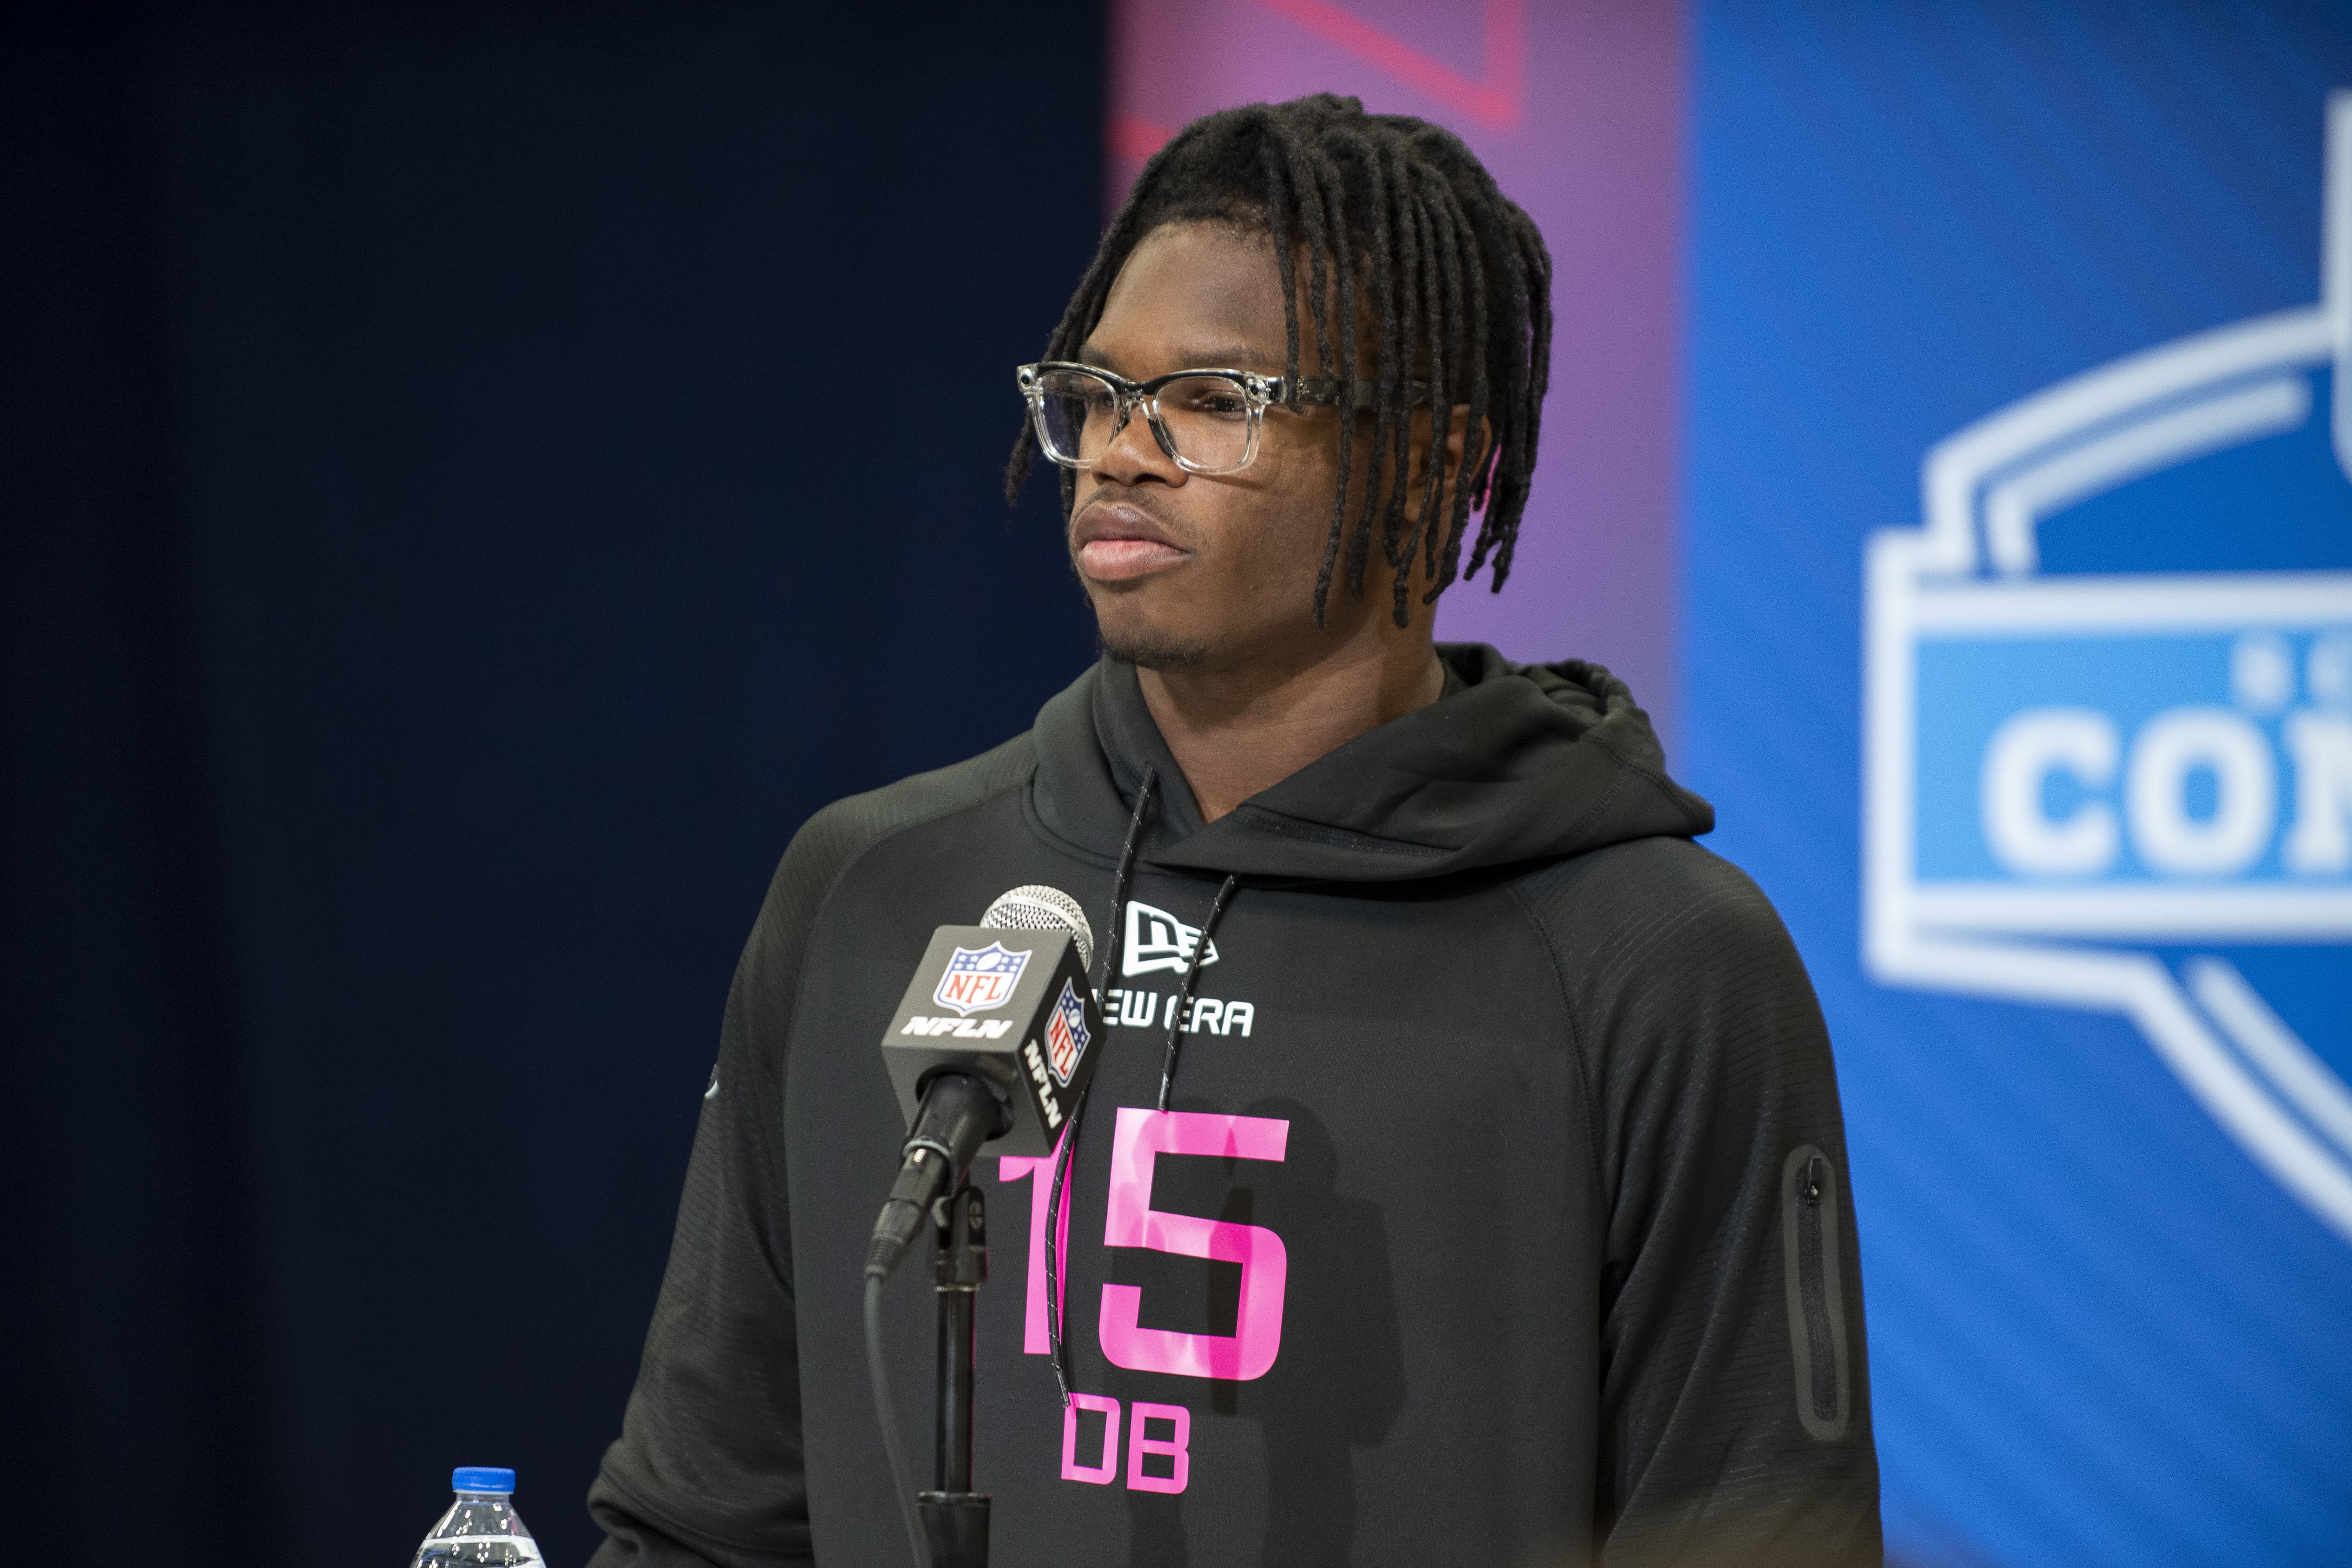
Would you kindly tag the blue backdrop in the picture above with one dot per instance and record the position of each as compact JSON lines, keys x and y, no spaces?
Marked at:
{"x":2108,"y":1255}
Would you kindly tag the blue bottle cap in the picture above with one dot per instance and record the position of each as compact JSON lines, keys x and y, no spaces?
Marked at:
{"x":482,"y":1479}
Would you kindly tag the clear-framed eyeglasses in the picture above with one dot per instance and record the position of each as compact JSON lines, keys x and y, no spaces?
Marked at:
{"x":1207,"y":421}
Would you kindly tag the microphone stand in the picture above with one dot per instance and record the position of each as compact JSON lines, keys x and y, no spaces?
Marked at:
{"x":955,"y":1517}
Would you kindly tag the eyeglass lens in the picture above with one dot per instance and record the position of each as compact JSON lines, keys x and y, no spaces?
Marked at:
{"x":1206,"y":417}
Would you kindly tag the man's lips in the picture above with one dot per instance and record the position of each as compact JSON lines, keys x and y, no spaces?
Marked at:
{"x":1117,"y":544}
{"x":1114,"y":559}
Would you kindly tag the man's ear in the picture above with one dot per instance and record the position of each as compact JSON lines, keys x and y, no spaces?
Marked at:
{"x":1457,"y":446}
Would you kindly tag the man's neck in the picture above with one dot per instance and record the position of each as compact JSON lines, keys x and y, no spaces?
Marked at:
{"x":1236,"y":731}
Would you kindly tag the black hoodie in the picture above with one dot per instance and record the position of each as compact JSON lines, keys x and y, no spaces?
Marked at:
{"x":1499,"y":1216}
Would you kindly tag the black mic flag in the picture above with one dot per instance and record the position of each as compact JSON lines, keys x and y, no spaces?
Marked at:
{"x":1011,"y":1008}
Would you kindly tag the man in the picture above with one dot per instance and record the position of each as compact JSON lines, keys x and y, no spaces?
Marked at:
{"x":1523,"y":1163}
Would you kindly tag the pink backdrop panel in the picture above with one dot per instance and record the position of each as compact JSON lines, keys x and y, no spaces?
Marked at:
{"x":1577,"y":107}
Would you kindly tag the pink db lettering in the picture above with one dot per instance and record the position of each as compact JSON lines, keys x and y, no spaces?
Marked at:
{"x":1103,"y":1473}
{"x":1177,"y":1450}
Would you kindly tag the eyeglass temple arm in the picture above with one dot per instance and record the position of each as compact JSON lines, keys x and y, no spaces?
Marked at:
{"x":1325,"y":392}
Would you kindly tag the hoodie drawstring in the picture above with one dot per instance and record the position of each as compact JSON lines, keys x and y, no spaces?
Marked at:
{"x":1176,"y":1018}
{"x":1113,"y":946}
{"x":1116,"y":938}
{"x":1069,"y":1149}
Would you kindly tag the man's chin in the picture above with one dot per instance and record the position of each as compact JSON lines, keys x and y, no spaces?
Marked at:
{"x":1153,"y":648}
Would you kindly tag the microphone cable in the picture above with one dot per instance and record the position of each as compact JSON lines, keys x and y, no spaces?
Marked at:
{"x":878,"y":1370}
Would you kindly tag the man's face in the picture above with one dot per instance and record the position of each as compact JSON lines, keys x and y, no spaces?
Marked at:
{"x":1192,"y":571}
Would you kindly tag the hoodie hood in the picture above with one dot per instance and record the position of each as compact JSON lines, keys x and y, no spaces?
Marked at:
{"x":1515,"y":762}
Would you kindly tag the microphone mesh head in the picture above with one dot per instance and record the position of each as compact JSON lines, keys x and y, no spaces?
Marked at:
{"x":1040,"y":908}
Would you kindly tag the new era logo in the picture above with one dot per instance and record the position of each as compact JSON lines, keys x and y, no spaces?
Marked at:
{"x":1157,"y":939}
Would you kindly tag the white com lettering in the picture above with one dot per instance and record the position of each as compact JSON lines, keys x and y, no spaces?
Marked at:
{"x":2198,"y":792}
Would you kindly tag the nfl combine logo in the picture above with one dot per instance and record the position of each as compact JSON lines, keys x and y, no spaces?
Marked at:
{"x":2109,"y":715}
{"x":980,"y":978}
{"x":1066,"y":1035}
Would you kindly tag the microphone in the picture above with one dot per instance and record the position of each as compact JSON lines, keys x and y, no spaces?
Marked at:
{"x":991,"y":1045}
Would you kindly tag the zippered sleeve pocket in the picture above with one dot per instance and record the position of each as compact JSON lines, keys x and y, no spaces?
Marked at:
{"x":1813,"y":1265}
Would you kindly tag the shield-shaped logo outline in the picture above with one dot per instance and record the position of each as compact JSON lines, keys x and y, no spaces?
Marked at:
{"x":989,"y":974}
{"x":1971,"y":569}
{"x":1066,"y":1035}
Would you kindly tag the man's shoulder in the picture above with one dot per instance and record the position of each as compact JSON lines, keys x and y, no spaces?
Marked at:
{"x":1655,"y":904}
{"x":823,"y":853}
{"x":839,"y":833}
{"x":1677,"y":969}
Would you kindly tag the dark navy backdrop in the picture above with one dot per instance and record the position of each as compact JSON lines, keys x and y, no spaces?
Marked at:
{"x":474,"y":479}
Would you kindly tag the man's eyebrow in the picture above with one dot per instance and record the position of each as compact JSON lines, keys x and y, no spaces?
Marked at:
{"x":1218,"y":357}
{"x":1228,"y":354}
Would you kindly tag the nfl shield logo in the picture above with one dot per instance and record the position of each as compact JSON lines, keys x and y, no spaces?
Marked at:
{"x":1066,"y":1035}
{"x":980,"y":978}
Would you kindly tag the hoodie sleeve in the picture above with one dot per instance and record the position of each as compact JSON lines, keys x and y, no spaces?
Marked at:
{"x":708,"y":1470}
{"x":1736,"y":1410}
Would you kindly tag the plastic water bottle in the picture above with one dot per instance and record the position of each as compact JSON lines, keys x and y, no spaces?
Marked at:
{"x":481,"y":1526}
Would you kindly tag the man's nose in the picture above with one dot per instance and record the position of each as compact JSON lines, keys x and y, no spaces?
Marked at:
{"x":1135,"y":453}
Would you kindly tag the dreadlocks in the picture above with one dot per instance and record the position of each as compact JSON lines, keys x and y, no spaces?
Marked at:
{"x":1411,"y":247}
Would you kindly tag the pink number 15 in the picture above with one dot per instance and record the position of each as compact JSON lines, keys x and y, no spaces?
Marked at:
{"x":1143,"y":1136}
